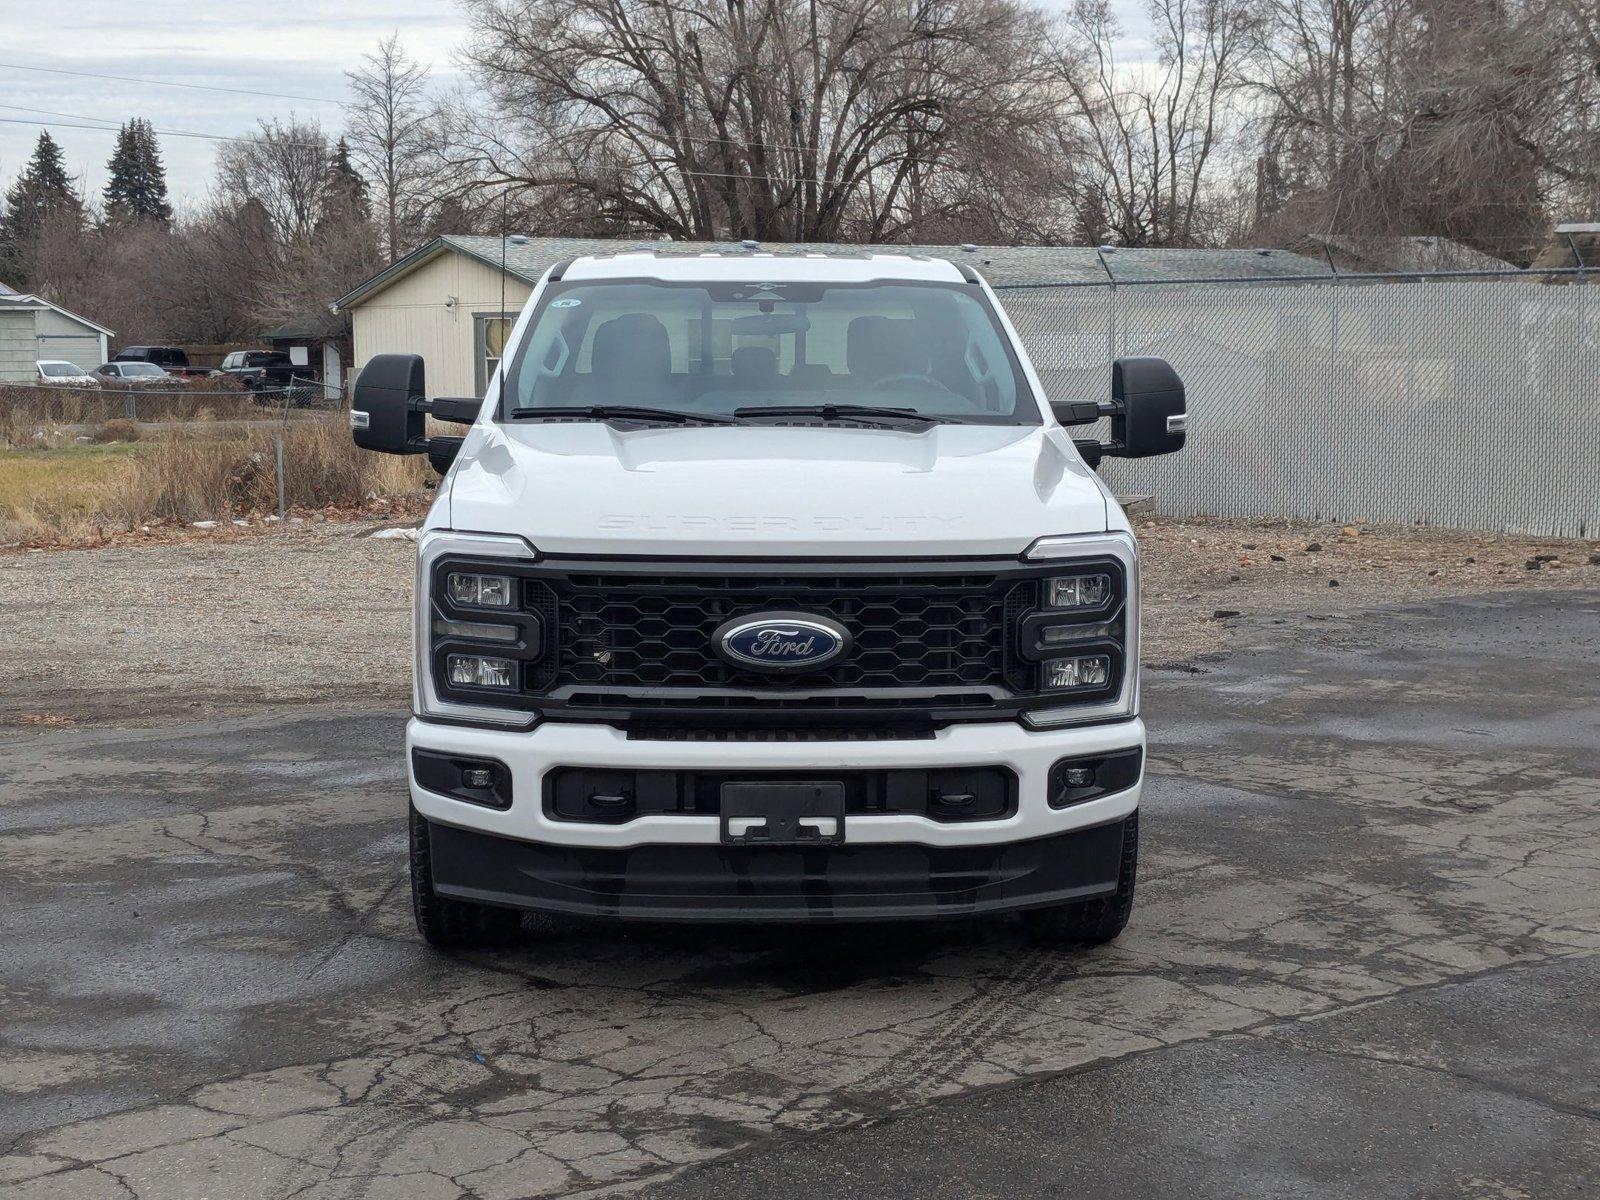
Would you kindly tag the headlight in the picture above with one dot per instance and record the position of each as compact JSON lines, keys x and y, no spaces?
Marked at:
{"x":1083,"y":634}
{"x":1085,"y":671}
{"x":481,"y":591}
{"x":470,"y":665}
{"x":1076,"y":593}
{"x":477,"y":670}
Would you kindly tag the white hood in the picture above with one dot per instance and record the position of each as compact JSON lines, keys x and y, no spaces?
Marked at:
{"x":948,"y":490}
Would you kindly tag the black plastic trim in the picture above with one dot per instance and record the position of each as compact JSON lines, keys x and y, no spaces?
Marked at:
{"x":855,"y":882}
{"x":904,"y":791}
{"x":440,"y":772}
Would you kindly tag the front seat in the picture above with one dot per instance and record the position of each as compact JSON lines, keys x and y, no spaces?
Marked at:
{"x":630,"y":362}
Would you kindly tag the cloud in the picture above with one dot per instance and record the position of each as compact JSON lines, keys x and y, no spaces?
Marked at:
{"x":302,"y":48}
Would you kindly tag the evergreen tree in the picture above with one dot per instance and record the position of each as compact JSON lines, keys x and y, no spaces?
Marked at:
{"x":41,"y":194}
{"x":344,"y":190}
{"x":137,"y":190}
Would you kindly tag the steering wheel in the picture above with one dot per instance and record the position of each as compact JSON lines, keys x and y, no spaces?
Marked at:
{"x":915,"y":377}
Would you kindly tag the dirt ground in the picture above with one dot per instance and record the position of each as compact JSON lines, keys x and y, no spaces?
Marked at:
{"x":202,"y":622}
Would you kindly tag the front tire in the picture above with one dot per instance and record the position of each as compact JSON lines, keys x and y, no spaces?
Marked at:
{"x":1092,"y":922}
{"x":448,"y":923}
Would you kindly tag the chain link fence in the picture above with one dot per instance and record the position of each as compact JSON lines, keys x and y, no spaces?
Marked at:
{"x":1467,"y":400}
{"x":166,"y":402}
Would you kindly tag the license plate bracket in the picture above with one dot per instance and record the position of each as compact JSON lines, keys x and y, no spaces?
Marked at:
{"x":787,"y":813}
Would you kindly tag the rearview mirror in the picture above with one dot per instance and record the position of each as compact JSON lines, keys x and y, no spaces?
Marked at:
{"x":387,"y":412}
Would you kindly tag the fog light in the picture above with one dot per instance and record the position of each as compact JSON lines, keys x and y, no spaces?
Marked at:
{"x":477,"y":777}
{"x":481,"y":591}
{"x":1070,"y":592}
{"x":1062,"y":674}
{"x":474,"y":670}
{"x":1078,"y":777}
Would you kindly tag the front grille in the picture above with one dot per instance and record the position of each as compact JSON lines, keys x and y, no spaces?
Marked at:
{"x":633,"y":643}
{"x":636,"y":632}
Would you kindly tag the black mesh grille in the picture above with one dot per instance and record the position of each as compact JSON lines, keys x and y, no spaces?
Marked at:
{"x":637,"y":631}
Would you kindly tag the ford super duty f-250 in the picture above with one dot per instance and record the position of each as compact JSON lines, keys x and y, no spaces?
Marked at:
{"x":772,"y":587}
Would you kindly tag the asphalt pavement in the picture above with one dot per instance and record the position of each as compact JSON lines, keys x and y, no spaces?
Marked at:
{"x":1364,"y":963}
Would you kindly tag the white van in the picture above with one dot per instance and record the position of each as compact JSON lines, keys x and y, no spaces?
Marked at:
{"x":771,"y":587}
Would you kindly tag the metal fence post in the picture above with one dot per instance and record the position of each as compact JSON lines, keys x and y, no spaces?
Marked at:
{"x":1111,"y":321}
{"x":283,"y":516}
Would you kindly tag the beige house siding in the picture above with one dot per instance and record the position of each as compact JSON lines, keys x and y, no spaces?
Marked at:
{"x":412,"y":316}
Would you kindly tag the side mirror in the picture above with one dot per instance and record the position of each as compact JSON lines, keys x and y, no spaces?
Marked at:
{"x":1149,"y":412}
{"x":388,"y":411}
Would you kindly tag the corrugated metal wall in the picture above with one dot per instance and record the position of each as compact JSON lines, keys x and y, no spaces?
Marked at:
{"x":1443,"y":400}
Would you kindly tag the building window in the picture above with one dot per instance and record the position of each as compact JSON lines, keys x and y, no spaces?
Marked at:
{"x":489,"y":334}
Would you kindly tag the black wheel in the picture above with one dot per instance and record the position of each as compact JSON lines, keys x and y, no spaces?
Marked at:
{"x":444,"y":922}
{"x":1098,"y":920}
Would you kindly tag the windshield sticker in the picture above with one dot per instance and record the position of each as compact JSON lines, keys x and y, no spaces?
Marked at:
{"x":567,"y":302}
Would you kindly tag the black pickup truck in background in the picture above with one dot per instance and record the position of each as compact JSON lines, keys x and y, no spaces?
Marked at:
{"x":272,"y":378}
{"x":261,"y":368}
{"x":170,"y":359}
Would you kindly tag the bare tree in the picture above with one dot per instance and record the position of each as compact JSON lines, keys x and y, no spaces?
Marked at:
{"x":1145,"y":139}
{"x":793,"y":119}
{"x":391,"y":132}
{"x":1440,"y":117}
{"x":284,"y":169}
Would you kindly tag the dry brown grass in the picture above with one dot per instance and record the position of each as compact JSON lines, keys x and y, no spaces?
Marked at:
{"x":205,"y":471}
{"x":43,"y":417}
{"x":119,"y":430}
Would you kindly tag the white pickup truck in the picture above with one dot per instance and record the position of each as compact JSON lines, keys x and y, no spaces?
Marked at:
{"x":769,"y":586}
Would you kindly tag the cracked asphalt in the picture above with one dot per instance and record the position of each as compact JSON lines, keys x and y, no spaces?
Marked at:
{"x":1365,"y":962}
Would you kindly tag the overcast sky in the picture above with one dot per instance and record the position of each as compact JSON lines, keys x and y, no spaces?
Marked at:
{"x":294,"y":47}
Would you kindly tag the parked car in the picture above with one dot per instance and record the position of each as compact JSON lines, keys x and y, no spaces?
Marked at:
{"x":171,"y":359}
{"x":131,"y":372}
{"x":60,"y":373}
{"x":838,"y":625}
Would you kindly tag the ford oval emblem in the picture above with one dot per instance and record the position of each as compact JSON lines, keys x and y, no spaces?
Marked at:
{"x":782,"y":641}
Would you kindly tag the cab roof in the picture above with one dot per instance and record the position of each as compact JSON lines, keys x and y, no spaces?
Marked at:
{"x":681,"y":266}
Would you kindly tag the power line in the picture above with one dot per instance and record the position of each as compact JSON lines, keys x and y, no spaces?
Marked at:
{"x":199,"y":87}
{"x":106,"y":126}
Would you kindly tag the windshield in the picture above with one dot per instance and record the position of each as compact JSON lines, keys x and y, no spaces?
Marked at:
{"x":716,"y":348}
{"x":132,"y":369}
{"x":59,"y":370}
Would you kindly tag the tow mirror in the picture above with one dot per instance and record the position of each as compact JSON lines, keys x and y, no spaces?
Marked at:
{"x":386,"y":411}
{"x":390,"y":409}
{"x":1148,"y":410}
{"x":1153,"y":414}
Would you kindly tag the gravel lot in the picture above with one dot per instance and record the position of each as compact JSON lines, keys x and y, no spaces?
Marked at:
{"x":215,"y":620}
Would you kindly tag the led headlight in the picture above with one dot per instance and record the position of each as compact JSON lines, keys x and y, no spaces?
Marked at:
{"x":477,"y":670}
{"x":1084,"y":671}
{"x":481,"y":591}
{"x":1068,"y":593}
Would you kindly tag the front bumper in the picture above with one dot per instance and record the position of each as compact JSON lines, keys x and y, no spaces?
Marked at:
{"x":892,"y":866}
{"x":529,"y":754}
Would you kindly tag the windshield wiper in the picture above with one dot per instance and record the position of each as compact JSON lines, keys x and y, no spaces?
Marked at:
{"x":837,"y":412}
{"x":625,"y":412}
